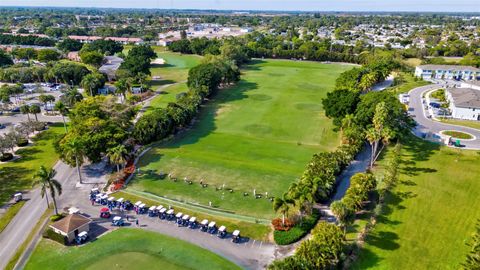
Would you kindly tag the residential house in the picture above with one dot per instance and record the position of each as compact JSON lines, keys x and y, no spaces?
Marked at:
{"x":447,"y":72}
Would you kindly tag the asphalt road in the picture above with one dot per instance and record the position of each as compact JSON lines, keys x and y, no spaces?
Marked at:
{"x":24,"y":222}
{"x":426,"y":125}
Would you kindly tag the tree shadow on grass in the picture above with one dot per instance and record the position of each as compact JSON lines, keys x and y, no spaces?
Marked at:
{"x":422,"y":150}
{"x":12,"y":179}
{"x":384,"y":240}
{"x":205,"y":122}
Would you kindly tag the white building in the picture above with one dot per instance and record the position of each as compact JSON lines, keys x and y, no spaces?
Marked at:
{"x":464,"y":103}
{"x":447,"y":72}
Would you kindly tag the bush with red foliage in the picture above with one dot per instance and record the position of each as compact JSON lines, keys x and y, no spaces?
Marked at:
{"x":279,"y":226}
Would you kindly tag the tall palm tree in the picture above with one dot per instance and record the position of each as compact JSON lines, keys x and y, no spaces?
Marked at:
{"x":121,"y":87}
{"x":63,"y":110}
{"x":44,"y":177}
{"x":282,"y":205}
{"x":117,"y":154}
{"x":372,"y":137}
{"x":74,"y":151}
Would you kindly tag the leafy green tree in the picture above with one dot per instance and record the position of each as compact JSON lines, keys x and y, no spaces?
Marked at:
{"x":68,"y":72}
{"x":343,"y":213}
{"x":47,"y":55}
{"x":5,"y":59}
{"x":93,"y":58}
{"x":339,"y":103}
{"x":35,"y":109}
{"x":45,"y":177}
{"x":69,"y":45}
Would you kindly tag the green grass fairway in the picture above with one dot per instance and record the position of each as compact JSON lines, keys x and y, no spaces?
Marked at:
{"x":431,"y":214}
{"x":17,"y":175}
{"x":175,"y":71}
{"x":465,"y":123}
{"x":127,"y":249}
{"x":257,"y":135}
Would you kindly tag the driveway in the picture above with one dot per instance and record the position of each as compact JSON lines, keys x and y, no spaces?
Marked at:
{"x":426,"y":125}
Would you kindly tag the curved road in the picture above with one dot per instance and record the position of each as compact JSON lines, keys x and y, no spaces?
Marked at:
{"x":425,"y":125}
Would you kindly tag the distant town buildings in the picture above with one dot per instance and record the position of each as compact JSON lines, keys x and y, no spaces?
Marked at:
{"x":123,"y":40}
{"x":447,"y":72}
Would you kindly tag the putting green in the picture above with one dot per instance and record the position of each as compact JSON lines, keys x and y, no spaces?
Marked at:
{"x":127,"y":249}
{"x":258,"y":135}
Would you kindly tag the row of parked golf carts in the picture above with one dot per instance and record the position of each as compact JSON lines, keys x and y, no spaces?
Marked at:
{"x":163,"y":213}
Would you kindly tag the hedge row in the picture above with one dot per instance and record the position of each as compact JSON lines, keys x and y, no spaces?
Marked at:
{"x":298,"y":231}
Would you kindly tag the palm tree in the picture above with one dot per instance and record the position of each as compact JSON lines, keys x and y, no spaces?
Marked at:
{"x":116,"y":155}
{"x":74,"y":151}
{"x":282,"y":205}
{"x":72,"y":96}
{"x":372,"y":137}
{"x":121,"y":87}
{"x":35,"y":109}
{"x":63,"y":110}
{"x":25,"y":109}
{"x":44,"y":177}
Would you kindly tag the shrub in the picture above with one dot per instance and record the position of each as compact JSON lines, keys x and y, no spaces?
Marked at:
{"x":52,"y":235}
{"x":56,"y":217}
{"x":298,"y":231}
{"x":279,"y":226}
{"x":22,"y":142}
{"x":6,"y":157}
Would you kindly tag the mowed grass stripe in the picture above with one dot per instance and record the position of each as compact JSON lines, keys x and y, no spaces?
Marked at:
{"x":259,"y":134}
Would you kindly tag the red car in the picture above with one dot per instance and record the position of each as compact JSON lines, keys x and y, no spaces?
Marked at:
{"x":104,"y":213}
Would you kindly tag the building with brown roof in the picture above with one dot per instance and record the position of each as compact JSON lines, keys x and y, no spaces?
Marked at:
{"x":71,"y":225}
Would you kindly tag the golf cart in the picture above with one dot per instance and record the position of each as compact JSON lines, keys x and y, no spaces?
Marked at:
{"x":136,"y":206}
{"x":162,"y":214}
{"x":236,"y":236}
{"x":119,"y":203}
{"x":152,"y":211}
{"x":81,"y":238}
{"x":142,"y":208}
{"x":93,"y":193}
{"x":170,"y":214}
{"x":192,"y":222}
{"x":127,"y":205}
{"x":111,"y":202}
{"x":212,"y":228}
{"x":117,"y":221}
{"x":17,"y":197}
{"x":204,"y":225}
{"x":179,"y":218}
{"x":184,"y":221}
{"x":222,"y":231}
{"x":105,"y":213}
{"x":98,"y":198}
{"x":103,"y":199}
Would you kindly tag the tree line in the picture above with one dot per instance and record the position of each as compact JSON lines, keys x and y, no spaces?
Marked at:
{"x":203,"y":81}
{"x":26,"y":40}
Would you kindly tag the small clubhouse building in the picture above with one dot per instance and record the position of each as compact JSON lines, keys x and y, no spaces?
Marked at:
{"x":447,"y":72}
{"x":71,"y":225}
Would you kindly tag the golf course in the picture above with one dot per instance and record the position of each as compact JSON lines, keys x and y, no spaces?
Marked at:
{"x":430,"y":214}
{"x":253,"y":138}
{"x":127,"y":249}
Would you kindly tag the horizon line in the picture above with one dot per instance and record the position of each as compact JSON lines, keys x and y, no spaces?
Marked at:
{"x":243,"y":10}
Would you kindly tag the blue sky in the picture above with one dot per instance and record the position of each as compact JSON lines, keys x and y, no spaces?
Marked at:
{"x":315,"y":5}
